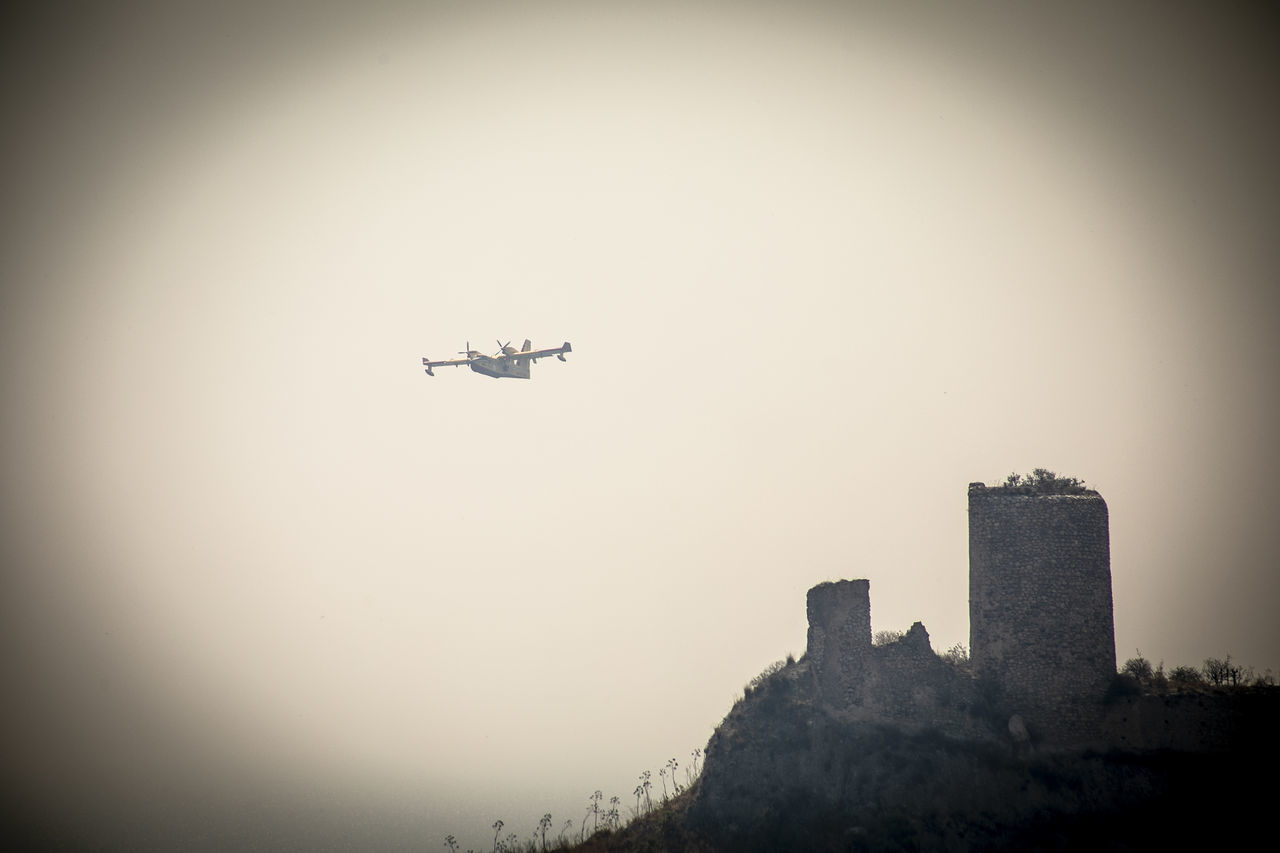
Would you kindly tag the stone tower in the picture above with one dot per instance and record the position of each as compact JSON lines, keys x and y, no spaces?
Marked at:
{"x":839,"y":640}
{"x":1040,"y":615}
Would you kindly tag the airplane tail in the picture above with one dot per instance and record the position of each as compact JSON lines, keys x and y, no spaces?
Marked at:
{"x":528,"y":345}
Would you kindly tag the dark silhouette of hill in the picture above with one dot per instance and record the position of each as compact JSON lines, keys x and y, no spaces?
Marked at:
{"x":783,"y":773}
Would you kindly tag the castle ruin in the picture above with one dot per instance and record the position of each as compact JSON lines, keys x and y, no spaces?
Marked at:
{"x":1042,"y":638}
{"x":1040,"y":614}
{"x":1034,"y":742}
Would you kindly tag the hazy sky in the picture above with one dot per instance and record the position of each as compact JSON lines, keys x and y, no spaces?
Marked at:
{"x":266,"y":584}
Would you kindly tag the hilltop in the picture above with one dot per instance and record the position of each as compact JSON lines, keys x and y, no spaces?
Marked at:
{"x":783,"y":773}
{"x":1035,"y":742}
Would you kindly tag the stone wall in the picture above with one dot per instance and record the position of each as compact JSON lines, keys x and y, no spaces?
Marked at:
{"x":839,"y":640}
{"x":1041,"y":629}
{"x":1042,"y":665}
{"x":903,"y":681}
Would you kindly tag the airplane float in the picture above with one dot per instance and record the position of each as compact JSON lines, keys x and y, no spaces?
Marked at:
{"x":508,"y":363}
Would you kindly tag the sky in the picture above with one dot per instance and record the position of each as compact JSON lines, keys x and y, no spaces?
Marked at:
{"x":269,"y":586}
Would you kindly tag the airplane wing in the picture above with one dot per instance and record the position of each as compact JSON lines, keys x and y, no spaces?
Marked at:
{"x":457,"y":362}
{"x":536,"y":354}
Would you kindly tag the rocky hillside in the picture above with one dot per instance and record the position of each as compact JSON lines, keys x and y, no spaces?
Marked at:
{"x":782,"y":773}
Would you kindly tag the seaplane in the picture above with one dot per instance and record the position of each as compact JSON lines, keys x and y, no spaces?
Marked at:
{"x":507,"y":363}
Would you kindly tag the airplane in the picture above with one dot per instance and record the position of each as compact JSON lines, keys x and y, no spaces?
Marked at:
{"x":507,"y":363}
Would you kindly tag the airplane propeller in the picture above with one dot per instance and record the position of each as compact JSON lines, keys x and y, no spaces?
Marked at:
{"x":467,"y":351}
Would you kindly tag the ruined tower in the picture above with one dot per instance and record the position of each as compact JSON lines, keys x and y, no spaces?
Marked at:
{"x":839,"y":640}
{"x":1041,"y":630}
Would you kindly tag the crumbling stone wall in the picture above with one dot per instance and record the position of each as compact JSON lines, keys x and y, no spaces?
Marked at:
{"x":839,"y":640}
{"x":903,"y":681}
{"x":1041,"y":629}
{"x":908,"y":683}
{"x":1042,"y":658}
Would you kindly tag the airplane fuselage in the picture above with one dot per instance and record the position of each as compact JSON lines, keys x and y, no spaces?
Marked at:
{"x":505,"y":368}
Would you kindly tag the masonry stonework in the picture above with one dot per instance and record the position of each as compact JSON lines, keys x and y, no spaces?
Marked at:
{"x":1042,"y":639}
{"x":1041,"y":628}
{"x":839,"y":641}
{"x":903,"y":681}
